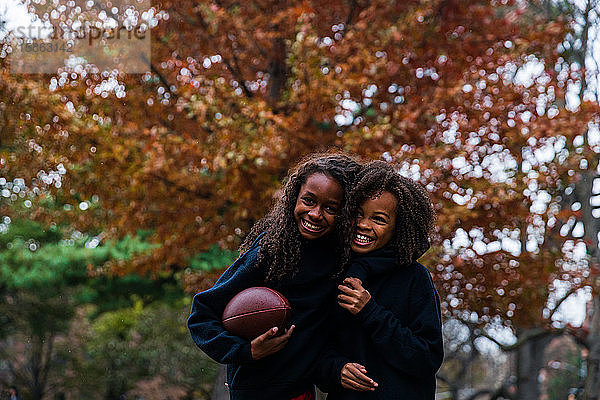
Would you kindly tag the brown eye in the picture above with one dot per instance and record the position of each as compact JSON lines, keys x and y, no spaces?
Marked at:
{"x":331,"y":210}
{"x":380,"y":221}
{"x":308,"y":201}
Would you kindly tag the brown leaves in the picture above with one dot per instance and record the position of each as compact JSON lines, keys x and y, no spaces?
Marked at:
{"x":240,"y":91}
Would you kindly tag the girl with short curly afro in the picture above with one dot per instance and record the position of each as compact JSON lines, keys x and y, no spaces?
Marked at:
{"x":297,"y":249}
{"x":414,"y":217}
{"x":388,"y":339}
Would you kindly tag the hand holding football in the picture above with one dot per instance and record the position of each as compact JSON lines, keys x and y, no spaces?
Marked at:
{"x":254,"y":311}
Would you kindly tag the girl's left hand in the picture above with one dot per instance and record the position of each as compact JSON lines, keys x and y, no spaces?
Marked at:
{"x":354,"y":296}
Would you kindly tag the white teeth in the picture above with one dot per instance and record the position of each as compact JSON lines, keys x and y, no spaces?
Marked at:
{"x":312,"y":227}
{"x":363,"y":239}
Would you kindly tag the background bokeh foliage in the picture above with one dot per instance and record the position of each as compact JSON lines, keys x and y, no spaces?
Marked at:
{"x":142,"y":186}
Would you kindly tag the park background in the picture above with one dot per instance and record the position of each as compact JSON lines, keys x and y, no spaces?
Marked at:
{"x":122,"y":194}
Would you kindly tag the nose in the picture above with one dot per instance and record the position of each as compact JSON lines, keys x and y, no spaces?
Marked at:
{"x":315,"y":213}
{"x":362,"y":224}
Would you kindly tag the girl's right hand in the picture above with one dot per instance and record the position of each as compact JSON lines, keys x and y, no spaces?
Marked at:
{"x":354,"y":377}
{"x":268,"y":343}
{"x":353,"y":296}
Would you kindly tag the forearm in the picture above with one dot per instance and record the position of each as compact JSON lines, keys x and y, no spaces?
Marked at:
{"x":205,"y":324}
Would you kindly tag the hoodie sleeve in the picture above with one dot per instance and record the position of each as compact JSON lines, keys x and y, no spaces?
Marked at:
{"x":417,"y":348}
{"x":327,"y":370}
{"x":204,"y":321}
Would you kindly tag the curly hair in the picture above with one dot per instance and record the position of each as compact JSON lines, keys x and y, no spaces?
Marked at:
{"x":414,"y":213}
{"x":282,"y":244}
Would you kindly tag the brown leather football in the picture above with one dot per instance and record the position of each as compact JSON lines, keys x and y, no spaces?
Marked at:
{"x":254,"y":311}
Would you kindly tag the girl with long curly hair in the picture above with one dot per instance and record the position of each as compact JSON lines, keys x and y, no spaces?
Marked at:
{"x":388,"y":319}
{"x":296,"y":249}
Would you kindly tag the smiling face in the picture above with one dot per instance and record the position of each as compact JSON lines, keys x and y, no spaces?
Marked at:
{"x":319,"y":201}
{"x":375,"y":223}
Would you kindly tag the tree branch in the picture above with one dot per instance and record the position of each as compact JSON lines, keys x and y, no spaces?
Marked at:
{"x":531,"y":334}
{"x":350,"y":16}
{"x":566,"y":296}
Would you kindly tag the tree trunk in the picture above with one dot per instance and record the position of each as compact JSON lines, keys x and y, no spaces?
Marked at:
{"x":278,"y":70}
{"x":592,"y":382}
{"x":530,"y":360}
{"x":584,"y":192}
{"x":220,"y":391}
{"x":39,"y":364}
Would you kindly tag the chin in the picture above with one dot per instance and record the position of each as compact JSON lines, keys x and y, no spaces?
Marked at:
{"x":311,"y":235}
{"x":360,"y":250}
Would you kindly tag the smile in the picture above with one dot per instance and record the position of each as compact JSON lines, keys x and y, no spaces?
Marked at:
{"x":363,"y":240}
{"x":311,"y":227}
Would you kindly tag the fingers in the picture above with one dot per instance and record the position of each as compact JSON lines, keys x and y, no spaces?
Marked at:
{"x":352,"y":287}
{"x":268,"y":334}
{"x":353,"y":377}
{"x":354,"y":283}
{"x":346,"y":290}
{"x":348,"y":295}
{"x":348,"y":383}
{"x":360,"y":367}
{"x":271,"y":335}
{"x":356,"y":280}
{"x":288,"y":332}
{"x":353,"y":298}
{"x":346,"y":299}
{"x":359,"y":373}
{"x":278,"y":342}
{"x":348,"y":303}
{"x":269,"y":343}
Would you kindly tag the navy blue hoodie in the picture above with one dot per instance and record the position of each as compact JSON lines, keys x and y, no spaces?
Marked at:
{"x":311,"y":293}
{"x":397,"y":335}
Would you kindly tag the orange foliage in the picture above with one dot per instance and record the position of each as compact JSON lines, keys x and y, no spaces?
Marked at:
{"x":239,"y":91}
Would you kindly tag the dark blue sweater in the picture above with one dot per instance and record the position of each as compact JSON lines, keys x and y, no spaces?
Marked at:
{"x":283,"y":375}
{"x":397,"y":336}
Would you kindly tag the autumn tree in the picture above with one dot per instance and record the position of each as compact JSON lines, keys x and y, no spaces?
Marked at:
{"x":582,"y":195}
{"x":469,"y":97}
